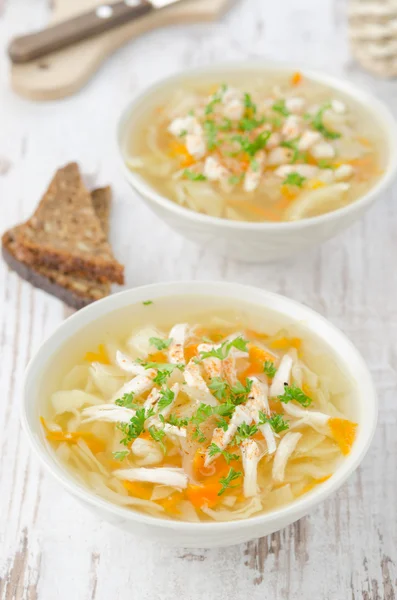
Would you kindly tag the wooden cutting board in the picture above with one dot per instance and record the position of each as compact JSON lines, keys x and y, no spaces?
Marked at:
{"x":64,"y":72}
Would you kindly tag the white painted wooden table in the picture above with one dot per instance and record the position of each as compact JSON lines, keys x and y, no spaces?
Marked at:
{"x":50,"y":547}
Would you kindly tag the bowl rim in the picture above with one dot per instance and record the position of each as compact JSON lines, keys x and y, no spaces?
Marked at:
{"x":372,"y":104}
{"x":365,"y":388}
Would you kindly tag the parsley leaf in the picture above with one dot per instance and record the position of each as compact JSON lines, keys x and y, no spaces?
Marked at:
{"x":226,"y":481}
{"x":176,"y":421}
{"x":127,"y":401}
{"x":239,"y":392}
{"x":222,"y":424}
{"x":276,"y":422}
{"x":135,"y":426}
{"x":205,"y":411}
{"x":226,"y":125}
{"x":317,"y":123}
{"x":120,"y":455}
{"x":250,"y":106}
{"x":158,"y":435}
{"x":210,"y":130}
{"x":323,"y":163}
{"x":213,"y":450}
{"x":223,"y":351}
{"x":269,"y":368}
{"x":252,"y":147}
{"x":294,"y":179}
{"x":218,"y":387}
{"x":235,"y":179}
{"x":159,"y":343}
{"x":147,"y":302}
{"x":164,"y":370}
{"x":216,"y":98}
{"x":244,"y":431}
{"x":293,"y":392}
{"x":193,"y":176}
{"x":279,"y":106}
{"x":166,"y":398}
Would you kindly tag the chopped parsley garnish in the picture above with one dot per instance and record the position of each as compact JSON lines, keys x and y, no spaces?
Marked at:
{"x":213,"y":450}
{"x":293,"y":392}
{"x":235,"y":179}
{"x":176,"y":421}
{"x":164,"y":370}
{"x":294,"y":179}
{"x":279,"y":106}
{"x":120,"y":455}
{"x":325,"y":164}
{"x":158,"y":435}
{"x":247,"y":124}
{"x":269,"y":368}
{"x":277,"y":422}
{"x":252,"y":147}
{"x":296,"y":154}
{"x":127,"y":401}
{"x":245,"y":431}
{"x":275,"y":121}
{"x":183,"y":133}
{"x":226,"y":481}
{"x":317,"y":123}
{"x":222,"y":424}
{"x":216,"y":98}
{"x":250,"y":106}
{"x":211,"y":130}
{"x":205,"y":411}
{"x":159,"y":343}
{"x":166,"y":398}
{"x":226,"y":124}
{"x":147,"y":302}
{"x":135,"y":426}
{"x":223,"y":351}
{"x":193,"y":176}
{"x":218,"y":387}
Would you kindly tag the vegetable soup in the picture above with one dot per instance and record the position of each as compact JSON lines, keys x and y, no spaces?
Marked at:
{"x":257,"y":147}
{"x":207,"y":419}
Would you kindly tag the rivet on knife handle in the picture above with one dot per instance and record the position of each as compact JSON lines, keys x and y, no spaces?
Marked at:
{"x":104,"y":17}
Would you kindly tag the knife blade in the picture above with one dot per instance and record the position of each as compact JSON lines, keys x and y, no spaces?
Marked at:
{"x":102,"y":18}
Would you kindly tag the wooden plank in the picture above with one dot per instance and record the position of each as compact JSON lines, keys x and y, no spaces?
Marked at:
{"x":50,"y":547}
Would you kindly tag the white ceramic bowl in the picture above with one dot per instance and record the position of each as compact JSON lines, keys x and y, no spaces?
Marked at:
{"x":46,"y":361}
{"x":259,"y":242}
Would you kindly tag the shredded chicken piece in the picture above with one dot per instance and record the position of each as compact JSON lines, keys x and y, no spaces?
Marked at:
{"x":126,"y":364}
{"x":257,"y":402}
{"x":285,"y":448}
{"x":222,"y":438}
{"x":195,"y":380}
{"x":138,"y":385}
{"x":175,"y":477}
{"x":178,"y":334}
{"x":282,"y":377}
{"x":110,"y":413}
{"x":251,"y":455}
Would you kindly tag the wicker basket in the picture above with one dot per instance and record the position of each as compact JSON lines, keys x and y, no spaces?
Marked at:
{"x":373,"y":35}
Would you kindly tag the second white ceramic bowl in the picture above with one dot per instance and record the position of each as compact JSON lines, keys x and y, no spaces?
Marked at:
{"x":259,"y":242}
{"x":81,"y":332}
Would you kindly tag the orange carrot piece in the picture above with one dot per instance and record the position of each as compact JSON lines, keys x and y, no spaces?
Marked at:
{"x":158,"y":357}
{"x":296,"y":78}
{"x":284,"y":343}
{"x":138,"y":489}
{"x":100,"y":356}
{"x":94,"y":443}
{"x":257,"y":357}
{"x":313,"y":484}
{"x":199,"y":495}
{"x":171,"y":503}
{"x":344,"y":433}
{"x":190,"y":351}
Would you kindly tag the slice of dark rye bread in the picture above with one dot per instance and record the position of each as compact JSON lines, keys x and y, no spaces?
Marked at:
{"x":65,"y":234}
{"x":76,"y":292}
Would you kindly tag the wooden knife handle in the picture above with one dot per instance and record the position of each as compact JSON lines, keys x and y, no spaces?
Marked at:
{"x":104,"y":17}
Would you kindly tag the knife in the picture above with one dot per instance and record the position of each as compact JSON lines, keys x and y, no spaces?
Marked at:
{"x":102,"y":18}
